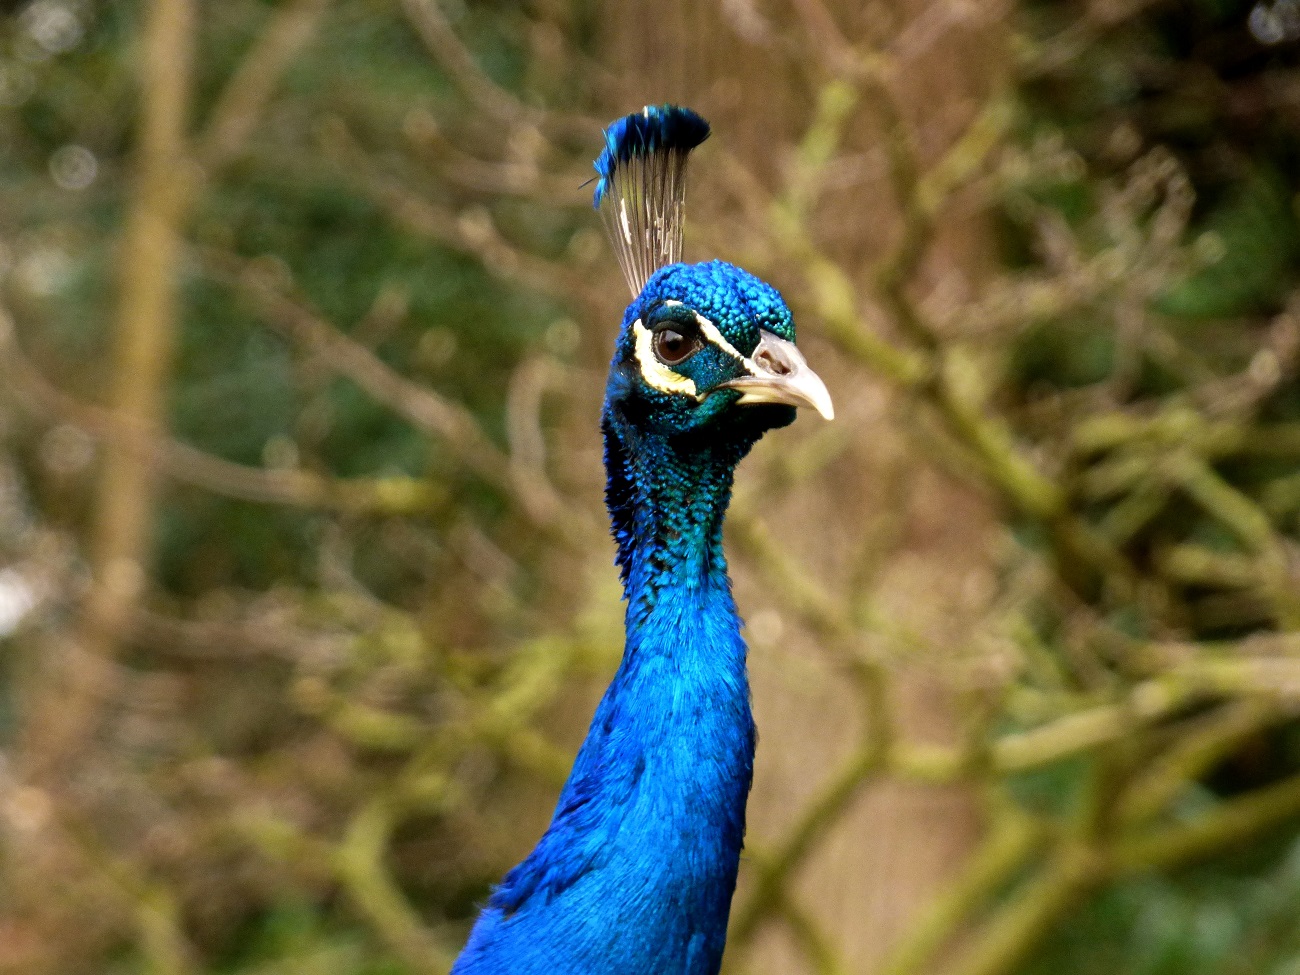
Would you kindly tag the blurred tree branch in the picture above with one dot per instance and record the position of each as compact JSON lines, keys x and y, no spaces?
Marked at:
{"x":250,"y":88}
{"x":142,"y":359}
{"x":1138,"y":633}
{"x":450,"y":422}
{"x":430,"y":22}
{"x":188,"y":465}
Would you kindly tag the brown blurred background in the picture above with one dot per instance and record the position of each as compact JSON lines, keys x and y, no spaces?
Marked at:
{"x":306,"y":594}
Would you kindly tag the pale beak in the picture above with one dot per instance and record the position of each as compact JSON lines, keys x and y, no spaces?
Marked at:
{"x":778,"y":373}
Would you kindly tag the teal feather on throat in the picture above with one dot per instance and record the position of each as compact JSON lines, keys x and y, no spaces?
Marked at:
{"x":636,"y":872}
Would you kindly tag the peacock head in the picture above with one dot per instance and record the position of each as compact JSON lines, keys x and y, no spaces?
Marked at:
{"x":702,"y":345}
{"x":711,"y":345}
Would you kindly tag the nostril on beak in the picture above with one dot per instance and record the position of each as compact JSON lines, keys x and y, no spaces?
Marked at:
{"x":771,"y":363}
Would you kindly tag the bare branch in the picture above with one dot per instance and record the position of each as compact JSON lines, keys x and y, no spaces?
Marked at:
{"x":422,"y":407}
{"x":189,"y":465}
{"x":486,"y":95}
{"x":143,"y":340}
{"x":247,"y":92}
{"x":471,"y":231}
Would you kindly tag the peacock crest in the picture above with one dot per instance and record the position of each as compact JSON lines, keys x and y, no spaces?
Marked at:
{"x":641,"y":187}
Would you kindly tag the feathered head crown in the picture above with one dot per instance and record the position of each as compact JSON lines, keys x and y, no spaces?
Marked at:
{"x":641,"y":190}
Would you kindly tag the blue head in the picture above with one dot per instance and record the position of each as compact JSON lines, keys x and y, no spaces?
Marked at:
{"x":705,"y":360}
{"x":709,"y":346}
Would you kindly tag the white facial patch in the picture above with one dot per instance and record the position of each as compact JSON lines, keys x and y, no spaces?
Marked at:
{"x":655,"y":372}
{"x":663,"y":378}
{"x":715,"y":337}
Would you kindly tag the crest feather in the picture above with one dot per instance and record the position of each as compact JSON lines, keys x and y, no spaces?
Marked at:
{"x":641,"y":190}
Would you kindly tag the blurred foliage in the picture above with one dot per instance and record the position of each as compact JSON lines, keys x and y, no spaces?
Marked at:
{"x":1194,"y":79}
{"x":377,"y":600}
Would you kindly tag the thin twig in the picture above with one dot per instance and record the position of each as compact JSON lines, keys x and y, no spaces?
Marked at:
{"x":248,"y":90}
{"x":189,"y":465}
{"x":489,"y":97}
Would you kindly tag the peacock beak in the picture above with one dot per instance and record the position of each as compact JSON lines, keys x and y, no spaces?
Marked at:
{"x":778,"y":373}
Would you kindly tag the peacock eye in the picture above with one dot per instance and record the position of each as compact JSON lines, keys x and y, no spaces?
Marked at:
{"x":673,"y":347}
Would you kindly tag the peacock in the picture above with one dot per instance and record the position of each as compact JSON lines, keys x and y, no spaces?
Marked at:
{"x":636,"y":872}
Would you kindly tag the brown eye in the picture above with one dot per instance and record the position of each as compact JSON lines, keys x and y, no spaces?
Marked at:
{"x":672,"y":347}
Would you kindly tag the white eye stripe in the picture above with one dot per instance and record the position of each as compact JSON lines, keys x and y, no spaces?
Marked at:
{"x":714,"y":337}
{"x":711,"y":333}
{"x":655,"y":372}
{"x":663,"y":378}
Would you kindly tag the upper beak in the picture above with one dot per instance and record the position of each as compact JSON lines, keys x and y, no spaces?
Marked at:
{"x":778,"y":373}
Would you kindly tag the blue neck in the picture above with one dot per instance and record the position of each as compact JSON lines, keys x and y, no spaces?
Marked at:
{"x":636,"y":872}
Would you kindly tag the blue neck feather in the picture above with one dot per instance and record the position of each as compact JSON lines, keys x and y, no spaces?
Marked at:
{"x":636,"y":872}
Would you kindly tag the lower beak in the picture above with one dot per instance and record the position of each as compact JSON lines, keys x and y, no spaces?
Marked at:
{"x":778,"y":373}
